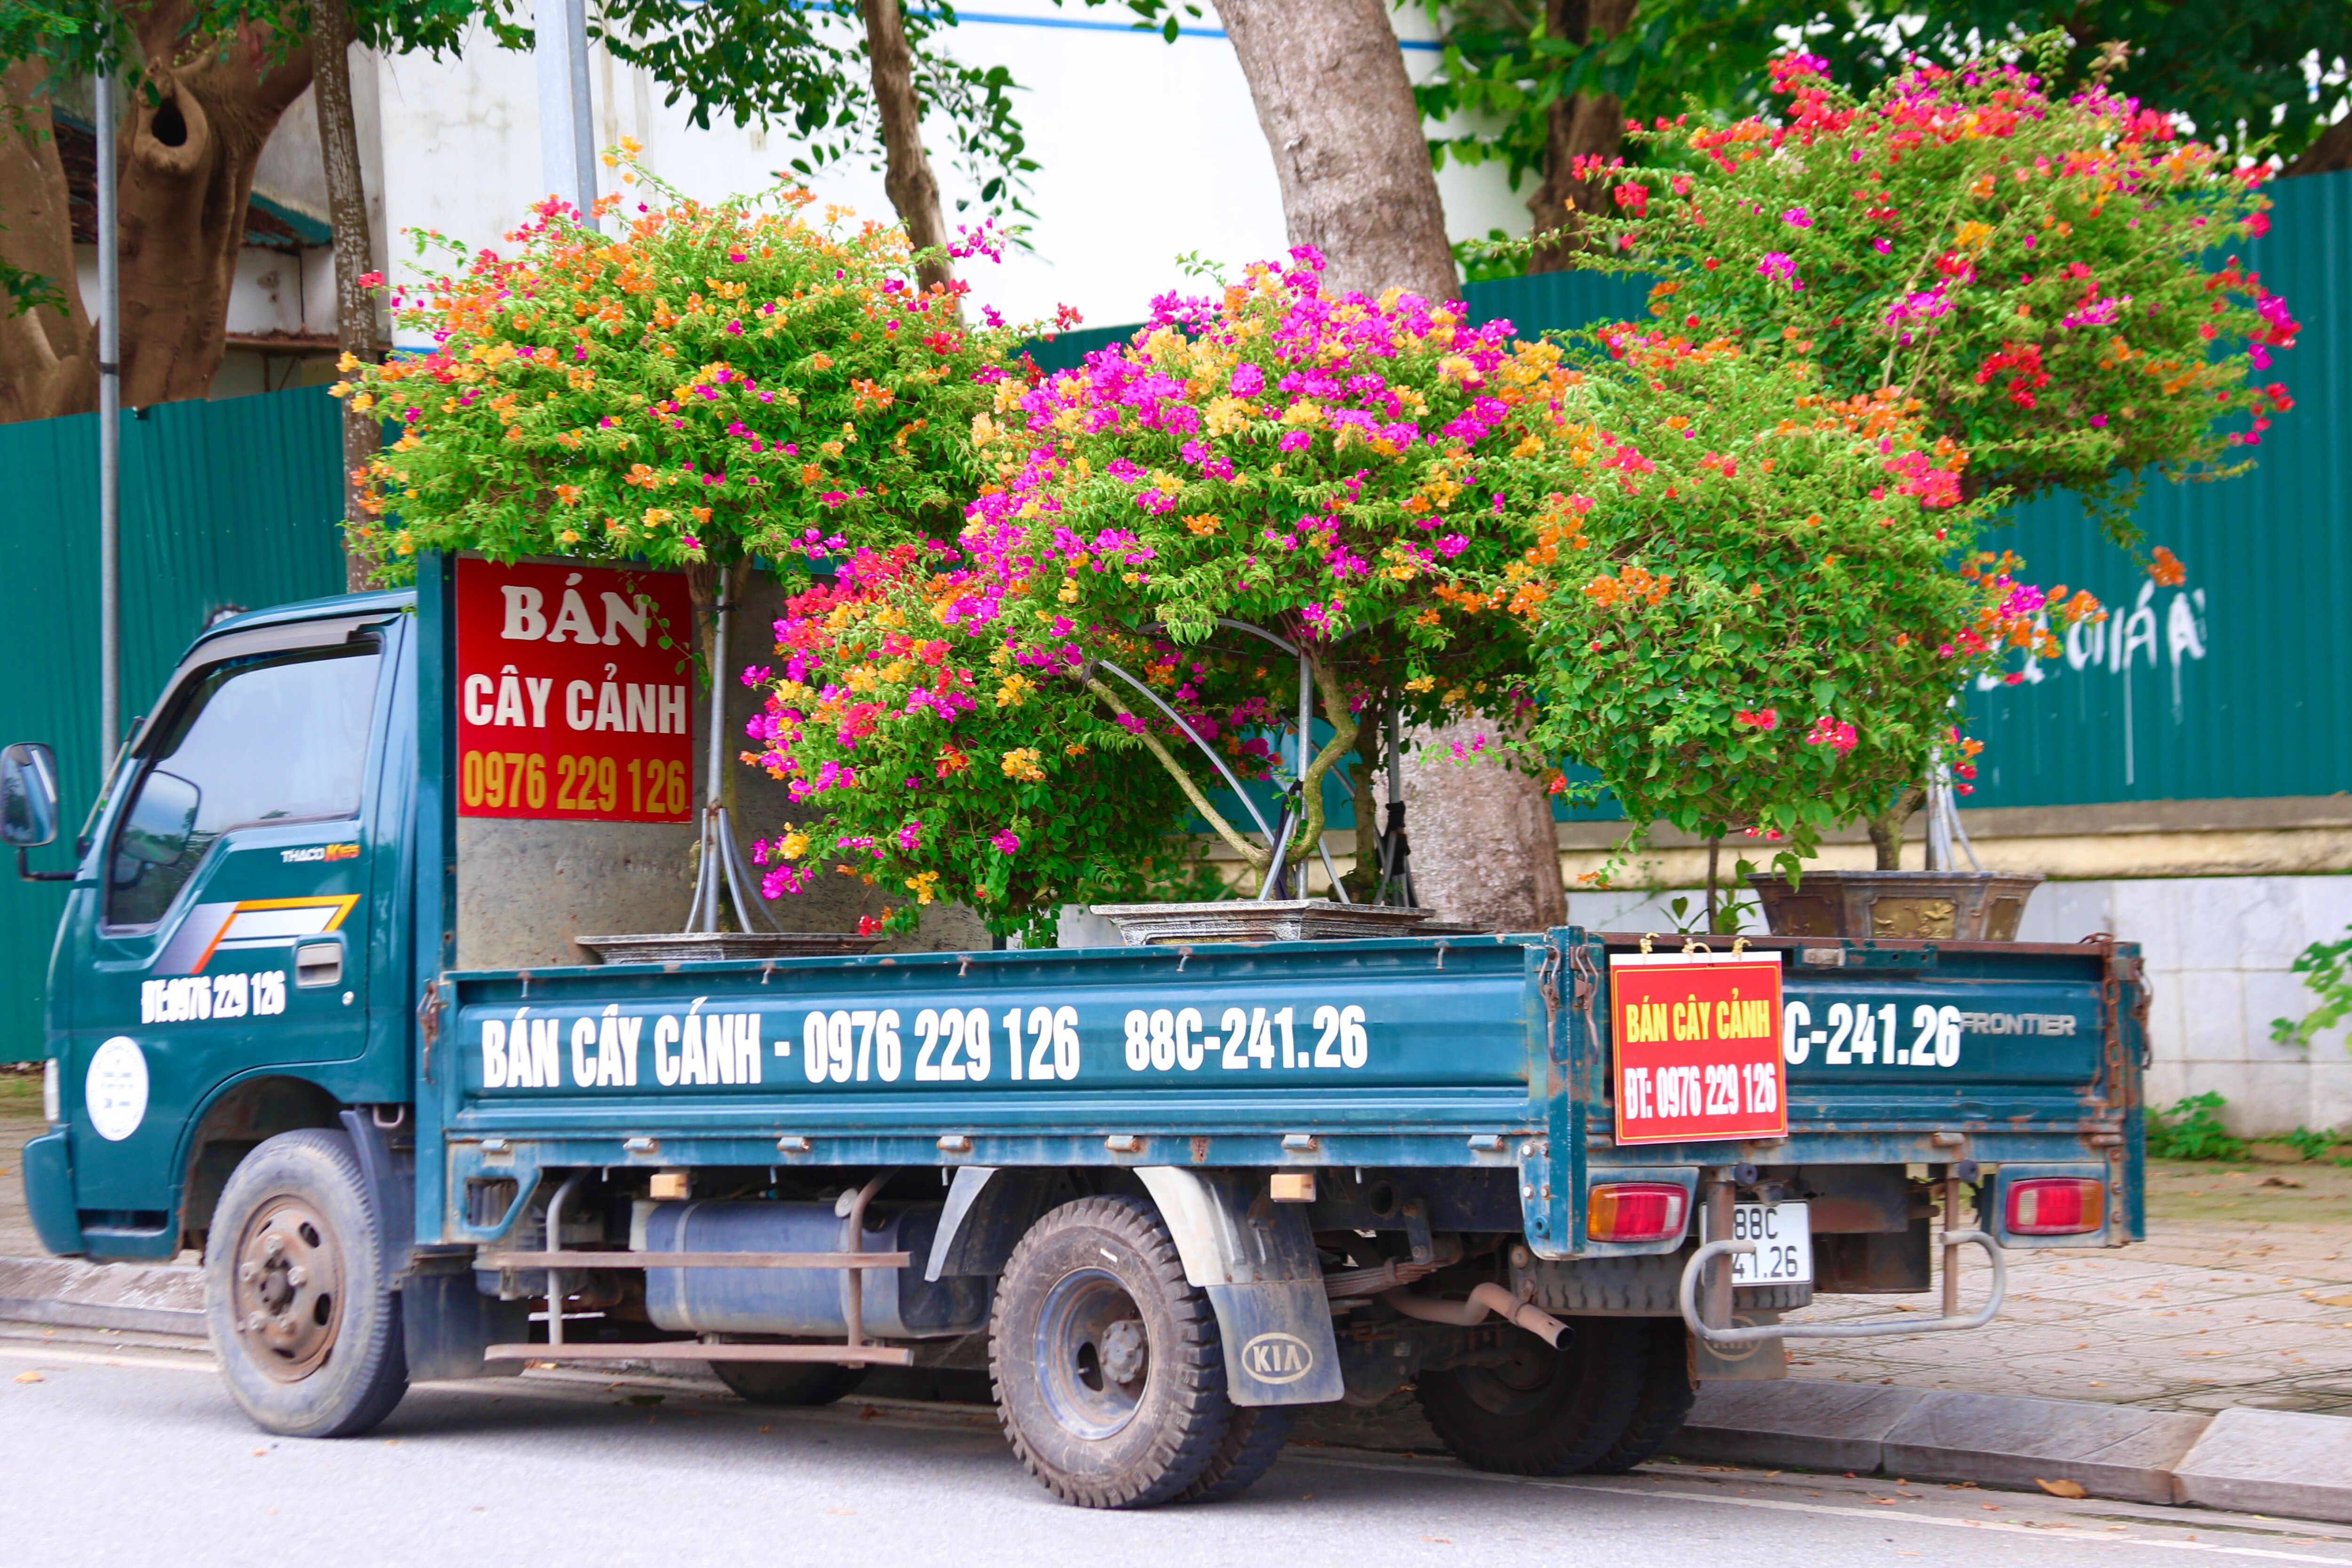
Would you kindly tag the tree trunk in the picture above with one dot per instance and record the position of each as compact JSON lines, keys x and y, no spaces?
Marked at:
{"x":48,"y":364}
{"x":355,"y":307}
{"x":913,"y":189}
{"x":1484,"y":848}
{"x":2326,"y":155}
{"x":186,"y":171}
{"x":1329,"y":82}
{"x":1887,"y":827}
{"x":1337,"y":109}
{"x":1577,"y":125}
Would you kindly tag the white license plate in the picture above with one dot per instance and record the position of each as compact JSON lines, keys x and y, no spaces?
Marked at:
{"x":1784,"y":1243}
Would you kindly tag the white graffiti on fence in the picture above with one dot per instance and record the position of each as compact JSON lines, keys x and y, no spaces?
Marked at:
{"x":2111,"y":646}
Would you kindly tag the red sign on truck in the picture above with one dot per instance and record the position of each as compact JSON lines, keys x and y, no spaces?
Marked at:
{"x":1697,"y":1039}
{"x":572,"y":688}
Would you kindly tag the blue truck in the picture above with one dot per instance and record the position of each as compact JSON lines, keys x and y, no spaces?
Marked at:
{"x":1165,"y":1196}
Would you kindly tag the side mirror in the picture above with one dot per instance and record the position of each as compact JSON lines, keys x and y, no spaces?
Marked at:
{"x":29,"y":795}
{"x":160,"y":821}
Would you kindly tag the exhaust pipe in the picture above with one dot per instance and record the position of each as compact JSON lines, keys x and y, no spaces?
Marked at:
{"x":1484,"y":1299}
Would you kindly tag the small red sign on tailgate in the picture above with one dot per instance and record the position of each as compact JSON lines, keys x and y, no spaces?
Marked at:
{"x":572,"y":693}
{"x":1698,"y":1042}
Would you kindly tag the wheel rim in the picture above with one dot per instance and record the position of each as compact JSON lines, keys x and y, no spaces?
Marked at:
{"x":289,"y":1289}
{"x":1518,"y":1385}
{"x":1094,"y":1354}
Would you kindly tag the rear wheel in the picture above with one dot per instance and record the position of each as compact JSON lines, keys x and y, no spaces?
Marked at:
{"x":788,"y":1382}
{"x":1543,"y":1412}
{"x":1251,"y":1444}
{"x":1109,"y":1376}
{"x":1667,"y":1393}
{"x":308,"y":1334}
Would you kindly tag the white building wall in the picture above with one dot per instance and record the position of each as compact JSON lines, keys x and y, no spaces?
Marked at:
{"x":1147,"y":150}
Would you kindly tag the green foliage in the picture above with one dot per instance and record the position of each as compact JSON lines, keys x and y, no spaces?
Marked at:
{"x":716,"y":382}
{"x":2191,"y":1130}
{"x":2040,"y":272}
{"x":2311,"y":1145}
{"x":2236,"y":71}
{"x":2326,"y":969}
{"x":1744,"y":615}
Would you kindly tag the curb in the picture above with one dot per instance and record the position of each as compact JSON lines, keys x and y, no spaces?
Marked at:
{"x":66,"y":1292}
{"x":2275,"y":1462}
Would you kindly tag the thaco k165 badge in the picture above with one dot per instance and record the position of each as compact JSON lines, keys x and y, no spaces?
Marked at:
{"x":1697,"y":1045}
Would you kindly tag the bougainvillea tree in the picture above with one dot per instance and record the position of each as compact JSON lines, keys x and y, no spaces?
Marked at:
{"x":712,"y":382}
{"x":2054,"y":277}
{"x":2050,"y":277}
{"x":1333,"y":471}
{"x":1748,"y":618}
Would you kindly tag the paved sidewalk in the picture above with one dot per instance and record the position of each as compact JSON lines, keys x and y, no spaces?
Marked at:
{"x":2242,"y":1296}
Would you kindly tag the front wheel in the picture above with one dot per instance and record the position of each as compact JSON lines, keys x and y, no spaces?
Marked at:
{"x":308,"y":1333}
{"x":1542,"y":1412}
{"x":1109,"y":1374}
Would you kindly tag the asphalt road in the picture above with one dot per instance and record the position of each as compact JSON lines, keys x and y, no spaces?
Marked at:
{"x":114,"y":1453}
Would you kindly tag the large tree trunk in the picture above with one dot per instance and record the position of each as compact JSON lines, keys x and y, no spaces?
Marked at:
{"x":1333,"y":100}
{"x":186,"y":169}
{"x":355,"y":306}
{"x":1329,"y":82}
{"x":1577,"y":125}
{"x":2332,"y":151}
{"x":48,"y":365}
{"x":907,"y":177}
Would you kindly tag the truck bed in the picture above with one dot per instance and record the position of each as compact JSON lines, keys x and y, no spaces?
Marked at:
{"x":1482,"y":1052}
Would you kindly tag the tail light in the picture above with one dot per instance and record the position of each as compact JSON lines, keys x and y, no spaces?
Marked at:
{"x":2055,"y":1205}
{"x":1636,"y":1210}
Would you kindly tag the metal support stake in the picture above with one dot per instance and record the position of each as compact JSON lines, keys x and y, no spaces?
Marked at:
{"x":722,"y":862}
{"x":1951,"y":1247}
{"x":1717,"y":1311}
{"x":109,"y":440}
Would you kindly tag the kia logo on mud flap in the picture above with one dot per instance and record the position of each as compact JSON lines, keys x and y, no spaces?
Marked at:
{"x":1277,"y":1358}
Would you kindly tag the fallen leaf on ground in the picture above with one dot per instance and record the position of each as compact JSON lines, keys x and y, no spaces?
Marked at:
{"x":2280,"y":1181}
{"x":2062,"y":1487}
{"x":30,"y":1378}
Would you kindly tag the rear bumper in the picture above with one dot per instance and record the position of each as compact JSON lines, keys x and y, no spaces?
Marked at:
{"x":48,"y":1193}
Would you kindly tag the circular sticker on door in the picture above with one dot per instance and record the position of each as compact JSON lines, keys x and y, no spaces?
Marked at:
{"x":116,"y":1089}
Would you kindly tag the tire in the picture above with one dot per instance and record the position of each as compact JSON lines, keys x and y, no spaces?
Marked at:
{"x":1545,"y":1412}
{"x":787,"y":1383}
{"x":295,"y":1300}
{"x":1667,"y":1393}
{"x":1251,"y":1444}
{"x":1093,"y":1290}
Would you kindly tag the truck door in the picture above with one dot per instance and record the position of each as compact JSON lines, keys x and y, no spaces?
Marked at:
{"x":231,"y":913}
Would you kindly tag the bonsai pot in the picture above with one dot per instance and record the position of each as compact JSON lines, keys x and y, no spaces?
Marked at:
{"x":1949,"y":906}
{"x":1241,"y":919}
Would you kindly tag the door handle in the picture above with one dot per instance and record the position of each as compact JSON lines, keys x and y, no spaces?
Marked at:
{"x":318,"y":963}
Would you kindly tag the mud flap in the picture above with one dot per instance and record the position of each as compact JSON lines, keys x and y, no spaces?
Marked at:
{"x":1760,"y":1363}
{"x":1256,"y":1260}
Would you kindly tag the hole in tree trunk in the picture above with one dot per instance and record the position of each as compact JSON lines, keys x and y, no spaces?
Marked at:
{"x":169,"y":126}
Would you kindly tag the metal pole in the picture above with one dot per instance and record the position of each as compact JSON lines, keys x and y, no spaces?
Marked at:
{"x":110,"y":442}
{"x":567,"y":138}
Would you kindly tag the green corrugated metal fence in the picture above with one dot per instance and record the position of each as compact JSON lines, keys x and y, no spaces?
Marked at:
{"x":234,"y":502}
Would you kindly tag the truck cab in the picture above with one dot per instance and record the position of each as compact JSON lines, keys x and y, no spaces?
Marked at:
{"x":234,"y":959}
